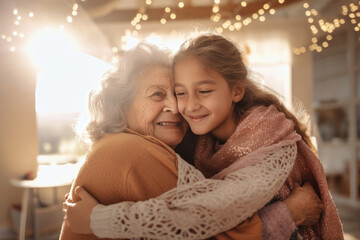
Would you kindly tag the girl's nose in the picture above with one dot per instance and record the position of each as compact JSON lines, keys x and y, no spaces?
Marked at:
{"x":192,"y":104}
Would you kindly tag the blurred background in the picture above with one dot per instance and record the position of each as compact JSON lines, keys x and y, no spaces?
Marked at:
{"x":54,"y":52}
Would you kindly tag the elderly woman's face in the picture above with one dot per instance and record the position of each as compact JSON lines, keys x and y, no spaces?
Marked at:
{"x":154,"y":109}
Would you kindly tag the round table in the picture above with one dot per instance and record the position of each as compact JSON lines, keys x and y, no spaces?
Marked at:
{"x":29,"y":199}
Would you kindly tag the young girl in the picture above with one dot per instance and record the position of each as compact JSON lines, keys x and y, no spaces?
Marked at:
{"x":241,"y":127}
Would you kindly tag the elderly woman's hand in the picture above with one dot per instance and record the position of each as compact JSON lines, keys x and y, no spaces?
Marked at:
{"x":77,"y":215}
{"x":304,"y":205}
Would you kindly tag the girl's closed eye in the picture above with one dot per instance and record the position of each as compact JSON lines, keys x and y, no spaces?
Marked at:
{"x":205,"y":91}
{"x":180,"y":93}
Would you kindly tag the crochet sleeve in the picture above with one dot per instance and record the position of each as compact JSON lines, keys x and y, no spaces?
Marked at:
{"x":199,"y":208}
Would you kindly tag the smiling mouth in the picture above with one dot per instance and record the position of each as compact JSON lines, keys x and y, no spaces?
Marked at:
{"x":172,"y":124}
{"x":197,"y":118}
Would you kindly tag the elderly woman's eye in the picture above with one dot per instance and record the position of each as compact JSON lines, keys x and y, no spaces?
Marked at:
{"x":158,"y":95}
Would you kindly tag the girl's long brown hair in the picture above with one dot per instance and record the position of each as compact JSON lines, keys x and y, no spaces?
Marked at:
{"x":220,"y":54}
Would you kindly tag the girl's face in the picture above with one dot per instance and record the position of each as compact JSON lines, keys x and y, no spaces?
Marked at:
{"x":205,"y":99}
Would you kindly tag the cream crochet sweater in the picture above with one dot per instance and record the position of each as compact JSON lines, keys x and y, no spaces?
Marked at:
{"x":199,"y":207}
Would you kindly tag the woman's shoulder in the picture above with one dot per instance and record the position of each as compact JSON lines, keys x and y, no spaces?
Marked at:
{"x":121,"y":142}
{"x":129,"y":146}
{"x":122,"y":138}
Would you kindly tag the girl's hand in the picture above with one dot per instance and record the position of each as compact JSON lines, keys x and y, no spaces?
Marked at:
{"x":77,"y":215}
{"x":304,"y":205}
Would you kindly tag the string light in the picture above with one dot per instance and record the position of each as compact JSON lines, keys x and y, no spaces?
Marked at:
{"x":350,"y":11}
{"x":219,"y":29}
{"x":215,"y":9}
{"x":226,"y":24}
{"x":247,"y":21}
{"x":237,"y":25}
{"x":215,"y":17}
{"x":114,"y":49}
{"x":314,"y":12}
{"x":347,"y":10}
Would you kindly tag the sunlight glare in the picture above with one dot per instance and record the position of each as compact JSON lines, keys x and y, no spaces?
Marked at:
{"x":50,"y":47}
{"x":66,"y":88}
{"x":65,"y":75}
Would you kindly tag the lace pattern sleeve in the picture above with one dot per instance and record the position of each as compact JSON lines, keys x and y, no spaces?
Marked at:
{"x":200,"y":208}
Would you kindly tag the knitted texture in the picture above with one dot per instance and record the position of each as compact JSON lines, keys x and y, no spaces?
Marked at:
{"x":192,"y":210}
{"x":262,"y":128}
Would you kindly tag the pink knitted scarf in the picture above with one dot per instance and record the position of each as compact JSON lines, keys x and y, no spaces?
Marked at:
{"x":266,"y":127}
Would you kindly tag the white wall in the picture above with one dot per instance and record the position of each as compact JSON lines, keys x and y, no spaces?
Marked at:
{"x":18,"y":137}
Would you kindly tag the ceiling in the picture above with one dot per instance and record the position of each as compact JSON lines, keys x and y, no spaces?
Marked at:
{"x":125,"y":10}
{"x":113,"y":17}
{"x":100,"y":24}
{"x":117,"y":11}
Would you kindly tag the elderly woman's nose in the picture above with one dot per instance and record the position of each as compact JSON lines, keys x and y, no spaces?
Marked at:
{"x":171,"y":105}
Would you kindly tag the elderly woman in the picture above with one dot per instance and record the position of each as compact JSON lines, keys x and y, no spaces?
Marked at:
{"x":134,"y":127}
